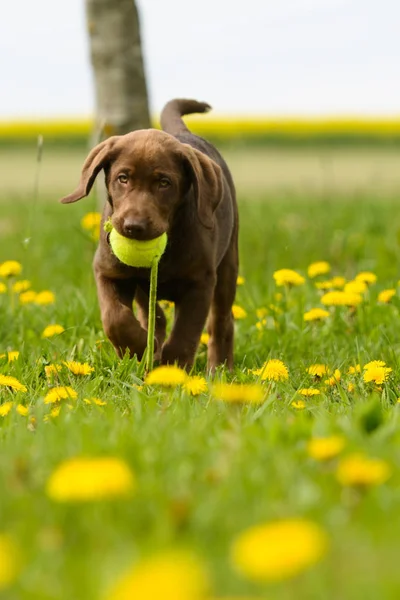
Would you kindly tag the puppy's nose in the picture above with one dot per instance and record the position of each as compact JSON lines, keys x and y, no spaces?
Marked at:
{"x":134,"y":228}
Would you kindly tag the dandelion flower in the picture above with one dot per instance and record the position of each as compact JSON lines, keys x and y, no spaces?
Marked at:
{"x":11,"y":356}
{"x":325,"y":448}
{"x":318,"y":268}
{"x":60,"y":393}
{"x":44,"y":298}
{"x":78,"y":368}
{"x":21,"y":286}
{"x":52,"y":330}
{"x":350,"y":387}
{"x":27,"y":297}
{"x":335,"y":378}
{"x":278,"y":550}
{"x":9,"y":561}
{"x":97,"y":401}
{"x":309,"y":392}
{"x":240,"y":280}
{"x":359,"y":470}
{"x":377,"y":374}
{"x":261,"y":312}
{"x":3,"y":288}
{"x":299,"y":404}
{"x":12,"y":383}
{"x":204,"y":339}
{"x":374,"y":363}
{"x":273,"y":370}
{"x":340,"y":298}
{"x":5,"y":408}
{"x":10,"y":268}
{"x":54,"y":413}
{"x":91,"y":222}
{"x":84,"y":479}
{"x":22,"y":410}
{"x":318,"y":370}
{"x":316,"y":314}
{"x":366,"y":277}
{"x":385,"y":296}
{"x":353,"y":370}
{"x":168,"y":375}
{"x":288,"y":277}
{"x":52,"y":370}
{"x":355,"y":287}
{"x":169,"y":576}
{"x":195,"y":385}
{"x":238,"y":393}
{"x":324,"y":285}
{"x":238,"y":312}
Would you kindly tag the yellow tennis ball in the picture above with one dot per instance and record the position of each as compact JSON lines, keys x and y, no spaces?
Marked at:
{"x":137,"y":253}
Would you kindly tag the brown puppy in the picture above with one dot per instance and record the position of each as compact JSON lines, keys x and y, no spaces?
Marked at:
{"x":168,"y":181}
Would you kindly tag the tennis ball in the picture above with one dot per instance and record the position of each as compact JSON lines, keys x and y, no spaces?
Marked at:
{"x":137,"y":253}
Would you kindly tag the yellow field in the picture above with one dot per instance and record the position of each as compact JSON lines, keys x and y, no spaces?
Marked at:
{"x":228,"y":127}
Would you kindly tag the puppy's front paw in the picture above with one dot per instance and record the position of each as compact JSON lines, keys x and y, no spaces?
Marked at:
{"x":172,"y":354}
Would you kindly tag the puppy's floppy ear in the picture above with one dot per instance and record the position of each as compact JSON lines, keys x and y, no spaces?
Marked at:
{"x":207,"y":180}
{"x":93,"y":164}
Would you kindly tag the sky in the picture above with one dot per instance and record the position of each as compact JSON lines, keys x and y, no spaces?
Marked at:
{"x":266,"y":57}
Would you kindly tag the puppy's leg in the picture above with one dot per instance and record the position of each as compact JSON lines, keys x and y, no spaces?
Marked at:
{"x":190,"y":316}
{"x":220,"y":321}
{"x":142,"y":300}
{"x":119,"y":322}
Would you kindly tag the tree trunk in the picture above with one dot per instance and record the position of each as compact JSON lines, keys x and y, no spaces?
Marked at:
{"x":121,"y":93}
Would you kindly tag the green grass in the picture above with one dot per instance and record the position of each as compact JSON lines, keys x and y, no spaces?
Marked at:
{"x":205,"y":470}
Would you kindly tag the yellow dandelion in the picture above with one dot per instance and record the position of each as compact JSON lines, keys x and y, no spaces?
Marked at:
{"x":336,"y":377}
{"x":97,"y":401}
{"x":324,"y":285}
{"x":52,"y":330}
{"x":340,"y":298}
{"x":355,"y":287}
{"x":299,"y":404}
{"x":238,"y":393}
{"x":195,"y":385}
{"x":83,"y":479}
{"x":288,"y":277}
{"x":170,"y":576}
{"x":27,"y":297}
{"x":21,"y":286}
{"x":318,"y":370}
{"x":354,"y":370}
{"x":273,"y":370}
{"x":338,"y":282}
{"x":5,"y":408}
{"x":325,"y":448}
{"x":44,"y":298}
{"x":54,"y":413}
{"x":359,"y":470}
{"x":22,"y":410}
{"x":240,"y":280}
{"x":12,"y":383}
{"x":261,"y":312}
{"x":3,"y":288}
{"x":278,"y":550}
{"x":9,"y":561}
{"x":261,"y":325}
{"x":168,"y":375}
{"x":309,"y":392}
{"x":91,"y":222}
{"x":374,"y":363}
{"x":78,"y":368}
{"x":11,"y":356}
{"x":385,"y":296}
{"x":238,"y":312}
{"x":204,"y":339}
{"x":366,"y":277}
{"x":10,"y":268}
{"x":318,"y":268}
{"x":52,"y":370}
{"x":350,"y":388}
{"x":316,"y":314}
{"x":60,"y":393}
{"x":377,"y":374}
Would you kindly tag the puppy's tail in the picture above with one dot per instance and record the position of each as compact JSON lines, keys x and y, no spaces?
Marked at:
{"x":171,"y":115}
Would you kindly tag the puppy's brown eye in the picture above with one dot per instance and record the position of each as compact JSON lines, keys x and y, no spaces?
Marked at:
{"x":164,"y":183}
{"x":123,"y":178}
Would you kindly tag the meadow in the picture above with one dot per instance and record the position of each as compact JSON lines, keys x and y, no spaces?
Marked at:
{"x":278,"y":480}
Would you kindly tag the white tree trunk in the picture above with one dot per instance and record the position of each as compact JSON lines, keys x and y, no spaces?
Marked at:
{"x":121,"y":93}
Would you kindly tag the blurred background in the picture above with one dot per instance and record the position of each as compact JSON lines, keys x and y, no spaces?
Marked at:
{"x":305,"y":93}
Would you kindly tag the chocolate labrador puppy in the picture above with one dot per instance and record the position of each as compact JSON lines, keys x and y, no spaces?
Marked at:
{"x":175,"y":182}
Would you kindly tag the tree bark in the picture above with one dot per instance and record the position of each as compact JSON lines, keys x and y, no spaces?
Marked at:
{"x":117,"y":59}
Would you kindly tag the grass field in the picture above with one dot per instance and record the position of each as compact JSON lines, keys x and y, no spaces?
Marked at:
{"x":194,"y":472}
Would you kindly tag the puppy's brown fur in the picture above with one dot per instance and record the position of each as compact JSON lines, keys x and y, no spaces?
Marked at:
{"x":168,"y":181}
